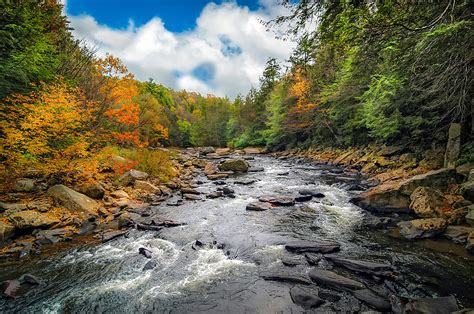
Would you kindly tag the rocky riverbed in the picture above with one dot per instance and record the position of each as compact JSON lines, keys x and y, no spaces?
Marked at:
{"x":247,"y":233}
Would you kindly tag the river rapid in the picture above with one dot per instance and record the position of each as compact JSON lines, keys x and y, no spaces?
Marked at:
{"x":224,"y":275}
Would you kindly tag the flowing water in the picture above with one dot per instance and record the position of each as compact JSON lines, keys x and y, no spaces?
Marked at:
{"x":224,"y":275}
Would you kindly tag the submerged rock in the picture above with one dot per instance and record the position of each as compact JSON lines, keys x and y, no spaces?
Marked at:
{"x":303,"y":198}
{"x":149,"y":265}
{"x":333,"y":280}
{"x":307,"y":297}
{"x":312,"y":247}
{"x":422,"y":228}
{"x":470,"y":243}
{"x":144,"y":252}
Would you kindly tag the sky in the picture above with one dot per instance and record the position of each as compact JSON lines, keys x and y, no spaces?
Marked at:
{"x":218,"y":47}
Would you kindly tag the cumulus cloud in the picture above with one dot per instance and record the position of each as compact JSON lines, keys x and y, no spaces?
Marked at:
{"x":224,"y":54}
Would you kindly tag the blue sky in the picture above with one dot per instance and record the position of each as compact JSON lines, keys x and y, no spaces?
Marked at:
{"x":217,"y":47}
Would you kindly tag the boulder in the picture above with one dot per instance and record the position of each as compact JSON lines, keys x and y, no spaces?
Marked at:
{"x":72,"y":200}
{"x":94,"y":190}
{"x":453,"y":147}
{"x":258,"y":206}
{"x":287,"y":277}
{"x":422,"y":228}
{"x":253,"y":150}
{"x":465,"y":169}
{"x":458,"y":234}
{"x":467,"y":190}
{"x":278,"y":200}
{"x":439,"y":179}
{"x":131,"y":175}
{"x":470,"y":243}
{"x":367,"y":267}
{"x":333,"y":280}
{"x":6,"y":231}
{"x":29,"y":219}
{"x":312,"y":247}
{"x":373,"y":300}
{"x":236,"y":165}
{"x":210,"y":168}
{"x":146,"y":186}
{"x":429,"y":203}
{"x":440,"y":305}
{"x":206,"y":150}
{"x":25,"y":185}
{"x":306,"y":297}
{"x":223,"y":151}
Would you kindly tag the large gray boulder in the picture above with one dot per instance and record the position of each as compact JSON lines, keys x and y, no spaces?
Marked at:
{"x":72,"y":200}
{"x":131,"y":175}
{"x":422,"y":228}
{"x":235,"y":165}
{"x":30,"y":219}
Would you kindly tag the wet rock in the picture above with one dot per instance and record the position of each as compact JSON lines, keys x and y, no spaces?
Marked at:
{"x":6,"y":231}
{"x":313,"y":193}
{"x":185,"y":190}
{"x":278,"y":200}
{"x":258,"y":206}
{"x":470,"y":243}
{"x":29,"y":219}
{"x":283,"y":173}
{"x":146,"y":186}
{"x":110,"y":235}
{"x":245,"y":182}
{"x":51,"y":236}
{"x":458,"y":234}
{"x":144,"y":252}
{"x":131,"y":175}
{"x":72,"y":200}
{"x":467,"y":190}
{"x":287,"y":277}
{"x":373,"y":222}
{"x":306,"y":297}
{"x":291,"y":262}
{"x":25,"y":185}
{"x":312,"y":247}
{"x":236,"y":165}
{"x":422,"y":228}
{"x":227,"y":190}
{"x":216,"y":194}
{"x":333,"y":280}
{"x":312,"y":259}
{"x":148,"y":227}
{"x":303,"y":198}
{"x":217,"y":176}
{"x":149,"y":265}
{"x":87,"y":226}
{"x":10,"y":288}
{"x":428,"y":202}
{"x":256,"y":169}
{"x":372,"y":299}
{"x":167,"y":223}
{"x":192,"y":197}
{"x":367,"y":267}
{"x":197,"y":245}
{"x":94,"y":190}
{"x":30,"y":279}
{"x":219,"y":182}
{"x":440,"y":305}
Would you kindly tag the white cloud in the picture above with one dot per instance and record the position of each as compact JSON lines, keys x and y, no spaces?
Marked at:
{"x":228,"y":37}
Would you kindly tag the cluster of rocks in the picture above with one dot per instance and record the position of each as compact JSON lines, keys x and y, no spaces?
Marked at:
{"x":266,"y":202}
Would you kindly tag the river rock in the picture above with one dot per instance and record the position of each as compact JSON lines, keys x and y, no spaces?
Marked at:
{"x":236,"y":165}
{"x":258,"y":206}
{"x":438,"y":179}
{"x":422,"y":228}
{"x":146,"y":186}
{"x":278,"y":200}
{"x":192,"y":197}
{"x":110,"y":235}
{"x":453,"y":147}
{"x":253,"y":150}
{"x":306,"y":297}
{"x":372,"y":299}
{"x":440,"y":305}
{"x":256,"y":169}
{"x":215,"y":194}
{"x":223,"y":151}
{"x":25,"y":185}
{"x":291,"y":261}
{"x":312,"y":247}
{"x":333,"y":280}
{"x":287,"y":277}
{"x":210,"y":169}
{"x":227,"y":190}
{"x":144,"y":252}
{"x":131,"y":175}
{"x":429,"y":203}
{"x":149,"y":265}
{"x":199,"y":163}
{"x":6,"y":231}
{"x":29,"y":219}
{"x":367,"y":267}
{"x":467,"y":190}
{"x":312,"y":259}
{"x":458,"y":234}
{"x":93,"y":190}
{"x":72,"y":200}
{"x":303,"y":198}
{"x":206,"y":150}
{"x":313,"y":193}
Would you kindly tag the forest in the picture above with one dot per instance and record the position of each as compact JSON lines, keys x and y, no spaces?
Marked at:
{"x":363,"y":73}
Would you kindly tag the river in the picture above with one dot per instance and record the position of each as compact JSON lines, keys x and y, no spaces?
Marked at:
{"x":239,"y":246}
